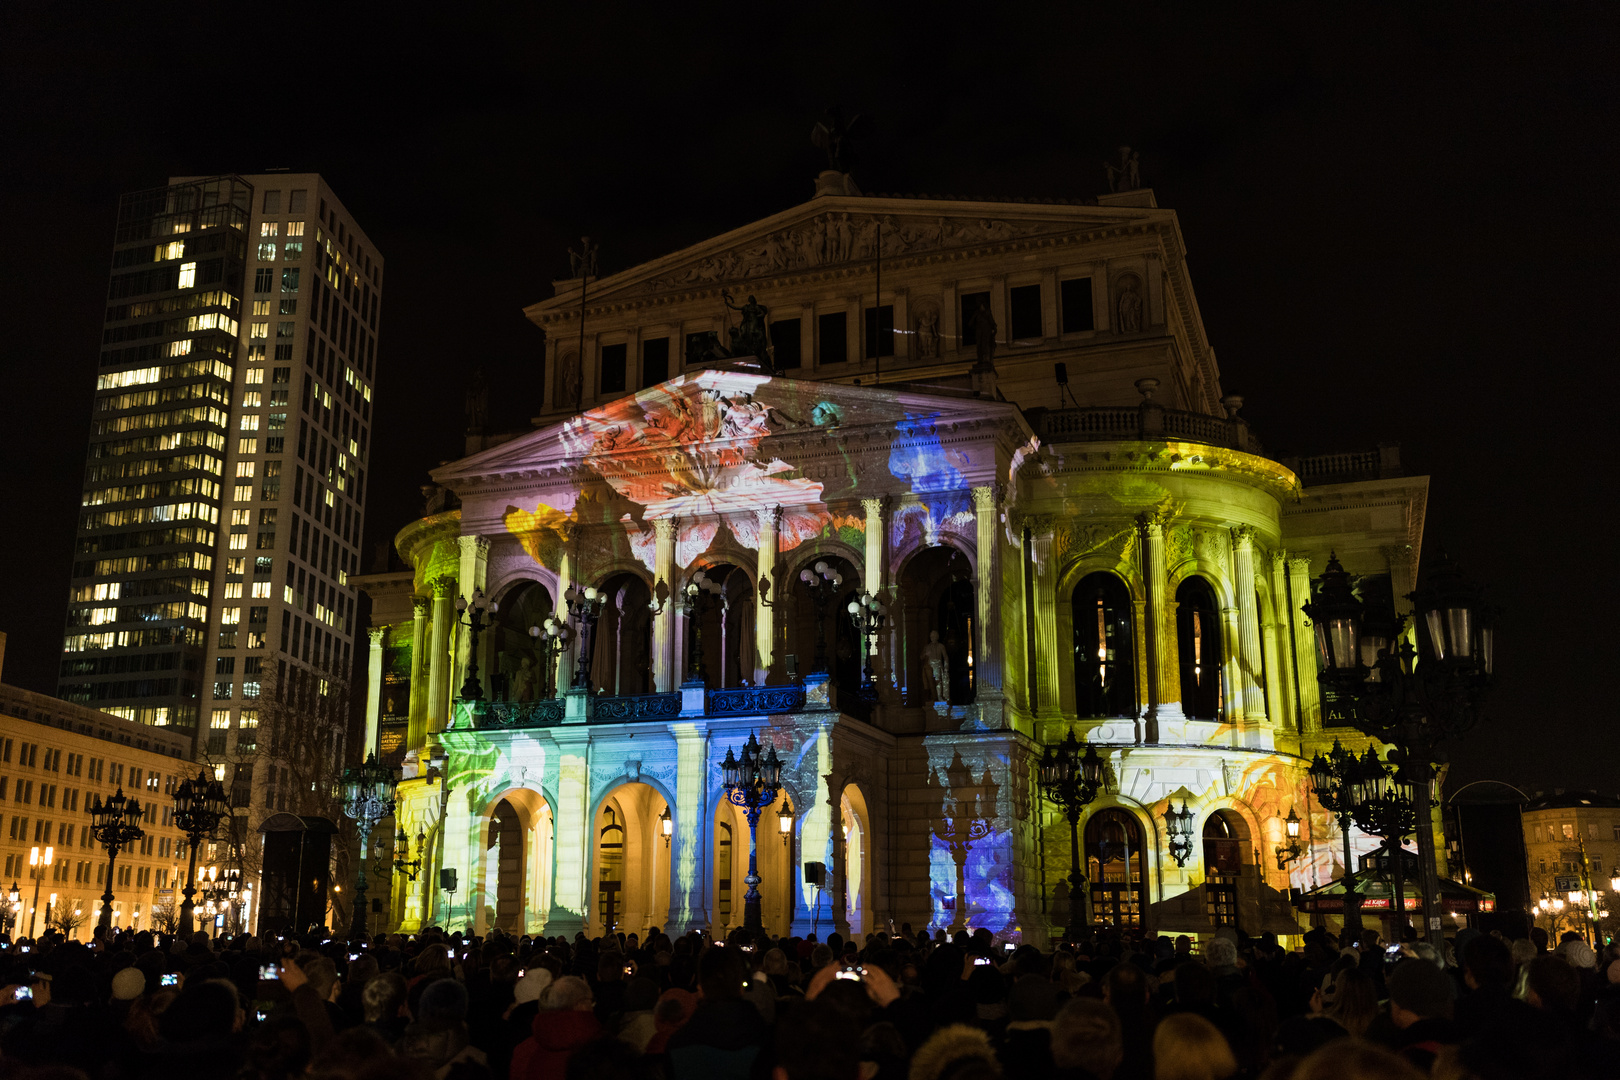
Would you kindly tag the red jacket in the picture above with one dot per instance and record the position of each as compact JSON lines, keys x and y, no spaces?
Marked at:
{"x":556,"y":1035}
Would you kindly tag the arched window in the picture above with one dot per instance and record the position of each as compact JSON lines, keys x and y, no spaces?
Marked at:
{"x":1104,"y":668}
{"x":1116,"y":864}
{"x":610,"y":863}
{"x":1198,"y":635}
{"x":1223,"y":864}
{"x":958,"y":611}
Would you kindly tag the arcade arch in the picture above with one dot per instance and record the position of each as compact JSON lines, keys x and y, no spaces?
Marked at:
{"x":937,"y":595}
{"x":621,"y":654}
{"x":630,"y":861}
{"x":520,"y":673}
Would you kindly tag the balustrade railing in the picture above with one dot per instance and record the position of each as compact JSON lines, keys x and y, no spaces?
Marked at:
{"x":721,"y":701}
{"x":1148,"y":422}
{"x":518,"y":714}
{"x":618,"y":710}
{"x":754,"y":700}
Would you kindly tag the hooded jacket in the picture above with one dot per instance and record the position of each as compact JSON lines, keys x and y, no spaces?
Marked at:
{"x":556,"y":1034}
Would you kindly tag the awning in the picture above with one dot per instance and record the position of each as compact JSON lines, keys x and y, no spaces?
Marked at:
{"x":1378,"y":894}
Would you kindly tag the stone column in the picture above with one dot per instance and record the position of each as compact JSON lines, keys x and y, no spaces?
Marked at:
{"x":690,"y":846}
{"x":875,"y":581}
{"x":987,"y":672}
{"x":664,"y":674}
{"x":1164,"y":682}
{"x":374,"y":678}
{"x":571,"y":897}
{"x":1310,"y":700}
{"x":473,"y":574}
{"x":1045,"y":698}
{"x":420,"y":694}
{"x":766,"y":602}
{"x":438,"y":710}
{"x":564,"y":673}
{"x":840,"y":855}
{"x":1280,"y":659}
{"x":1250,"y":663}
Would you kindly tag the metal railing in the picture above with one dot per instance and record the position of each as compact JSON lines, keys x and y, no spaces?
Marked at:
{"x":631,"y":707}
{"x":753,"y":700}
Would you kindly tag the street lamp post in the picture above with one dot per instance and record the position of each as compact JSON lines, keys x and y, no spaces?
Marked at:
{"x":221,"y":892}
{"x":199,"y":807}
{"x":585,"y":607}
{"x":368,"y":795}
{"x":552,"y":638}
{"x":37,"y":867}
{"x":113,"y":824}
{"x":1072,"y":780}
{"x":1411,"y":699}
{"x":701,"y":593}
{"x":869,"y":614}
{"x":1383,"y":807}
{"x":403,"y":863}
{"x":479,"y":614}
{"x":1333,"y":780}
{"x":752,"y":783}
{"x":823,"y":582}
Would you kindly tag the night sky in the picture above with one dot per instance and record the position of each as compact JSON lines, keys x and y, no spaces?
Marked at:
{"x":1401,"y":227}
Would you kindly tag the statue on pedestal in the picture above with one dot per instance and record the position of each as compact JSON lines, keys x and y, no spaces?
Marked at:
{"x":936,"y":669}
{"x":749,"y":337}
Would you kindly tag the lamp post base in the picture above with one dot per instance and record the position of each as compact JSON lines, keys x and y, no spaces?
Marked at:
{"x":106,"y":920}
{"x":357,"y":924}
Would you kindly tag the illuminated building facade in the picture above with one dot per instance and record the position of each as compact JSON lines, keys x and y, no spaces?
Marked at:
{"x":1018,"y":442}
{"x":1572,"y":846}
{"x":226,"y":474}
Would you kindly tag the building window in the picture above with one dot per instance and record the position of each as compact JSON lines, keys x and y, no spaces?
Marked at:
{"x":264,"y":279}
{"x":654,"y":361}
{"x":1569,"y":831}
{"x":610,"y":876}
{"x":878,"y":324}
{"x":1024,"y":313}
{"x":296,"y":200}
{"x":970,"y":303}
{"x":832,"y":340}
{"x":1198,"y":632}
{"x":1074,"y":303}
{"x":1115,"y":867}
{"x":785,"y":344}
{"x":613,"y":362}
{"x":722,"y":871}
{"x":1104,"y":671}
{"x":1223,"y":864}
{"x":272,"y":202}
{"x":289,"y":280}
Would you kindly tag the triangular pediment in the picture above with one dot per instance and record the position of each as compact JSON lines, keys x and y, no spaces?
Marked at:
{"x":839,"y":232}
{"x":716,"y":411}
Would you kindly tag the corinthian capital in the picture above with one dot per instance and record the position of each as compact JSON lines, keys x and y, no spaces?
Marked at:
{"x":769,"y":517}
{"x":1243,"y":535}
{"x":1152,"y":522}
{"x":665,"y":528}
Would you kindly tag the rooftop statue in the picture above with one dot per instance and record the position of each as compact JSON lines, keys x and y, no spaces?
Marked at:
{"x":830,"y":133}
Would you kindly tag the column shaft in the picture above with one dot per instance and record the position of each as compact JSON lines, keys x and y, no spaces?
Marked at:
{"x":1250,"y":662}
{"x":987,"y":672}
{"x":1283,"y":711}
{"x":563,"y":673}
{"x":415,"y":733}
{"x":766,"y":601}
{"x":438,"y":710}
{"x":374,"y":678}
{"x":1048,"y":665}
{"x":473,"y":572}
{"x":1164,"y":682}
{"x":1310,"y":701}
{"x":665,"y":678}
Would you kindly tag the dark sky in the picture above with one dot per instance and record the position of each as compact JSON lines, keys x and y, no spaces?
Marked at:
{"x":1401,"y":223}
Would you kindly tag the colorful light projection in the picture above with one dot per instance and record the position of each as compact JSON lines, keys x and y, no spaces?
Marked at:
{"x":972,"y":846}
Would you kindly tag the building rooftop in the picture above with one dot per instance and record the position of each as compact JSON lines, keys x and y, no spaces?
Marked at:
{"x":54,"y":712}
{"x":1571,"y":799}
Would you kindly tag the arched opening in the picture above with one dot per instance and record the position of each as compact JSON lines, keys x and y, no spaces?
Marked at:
{"x":632,"y":861}
{"x":1117,"y":867}
{"x":621,"y":655}
{"x":516,"y":872}
{"x":1104,"y":661}
{"x":727,"y":626}
{"x":937,"y":598}
{"x":1198,"y":637}
{"x":856,"y":834}
{"x":725,"y":876}
{"x":1225,"y":845}
{"x":504,"y":867}
{"x":520,"y":671}
{"x":823,"y":637}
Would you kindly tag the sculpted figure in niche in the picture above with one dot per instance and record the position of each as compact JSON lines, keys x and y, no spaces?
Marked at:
{"x":523,"y":681}
{"x":936,"y":669}
{"x":568,"y":379}
{"x":927,"y":332}
{"x":1130,"y":306}
{"x":984,"y":333}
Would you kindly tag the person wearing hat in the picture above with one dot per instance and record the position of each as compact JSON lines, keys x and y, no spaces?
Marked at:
{"x":438,"y":1039}
{"x":1420,"y":1006}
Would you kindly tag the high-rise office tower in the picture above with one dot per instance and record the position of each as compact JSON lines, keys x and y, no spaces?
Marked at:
{"x":226,"y":475}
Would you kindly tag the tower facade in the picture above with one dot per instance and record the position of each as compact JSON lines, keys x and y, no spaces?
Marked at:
{"x":226,"y":475}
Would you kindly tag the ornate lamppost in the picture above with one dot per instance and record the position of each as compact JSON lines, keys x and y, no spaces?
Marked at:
{"x":479,"y":614}
{"x":1180,"y":828}
{"x":1418,"y":700}
{"x":1287,"y":853}
{"x":1383,"y":807}
{"x":1072,"y":780}
{"x":584,"y":607}
{"x":551,"y":638}
{"x":199,"y":806}
{"x":666,"y":826}
{"x":114,"y":825}
{"x":403,"y":863}
{"x":368,"y":796}
{"x":869,"y":614}
{"x":221,"y":892}
{"x":752,"y":783}
{"x":1333,"y":780}
{"x":823,"y":582}
{"x":701,"y":593}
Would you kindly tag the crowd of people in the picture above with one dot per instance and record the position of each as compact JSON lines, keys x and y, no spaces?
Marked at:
{"x":1113,"y":1006}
